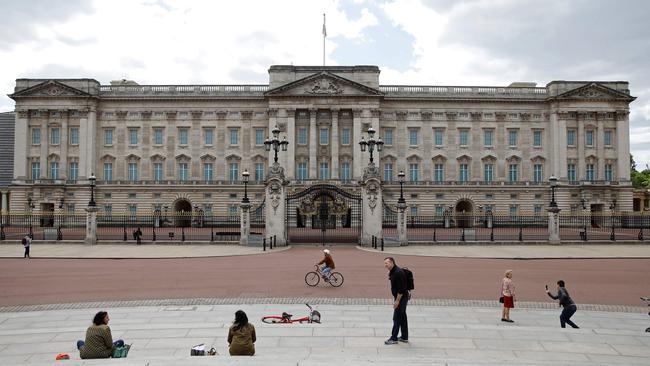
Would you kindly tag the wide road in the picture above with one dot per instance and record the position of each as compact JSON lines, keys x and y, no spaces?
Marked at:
{"x":281,"y":274}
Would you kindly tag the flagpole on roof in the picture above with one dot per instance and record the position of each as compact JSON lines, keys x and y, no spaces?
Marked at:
{"x":324,"y":35}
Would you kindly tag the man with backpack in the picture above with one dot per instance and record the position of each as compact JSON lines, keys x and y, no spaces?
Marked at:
{"x":27,"y":241}
{"x":399,"y":287}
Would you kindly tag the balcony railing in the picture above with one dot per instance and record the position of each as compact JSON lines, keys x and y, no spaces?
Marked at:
{"x":182,"y":90}
{"x":464,"y":91}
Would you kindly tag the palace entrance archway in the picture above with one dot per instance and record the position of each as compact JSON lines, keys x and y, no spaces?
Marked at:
{"x":323,"y":213}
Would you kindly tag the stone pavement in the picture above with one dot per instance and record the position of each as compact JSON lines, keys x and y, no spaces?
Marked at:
{"x":68,"y":250}
{"x":535,"y":251}
{"x":348,"y":335}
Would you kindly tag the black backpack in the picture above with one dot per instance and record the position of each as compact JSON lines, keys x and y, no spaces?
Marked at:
{"x":24,"y":241}
{"x":409,"y":279}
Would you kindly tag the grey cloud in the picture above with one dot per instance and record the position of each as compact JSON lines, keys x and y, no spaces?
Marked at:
{"x":20,"y":18}
{"x":557,"y":39}
{"x":247,"y":75}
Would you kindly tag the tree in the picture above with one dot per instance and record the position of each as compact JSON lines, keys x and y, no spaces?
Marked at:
{"x":639,"y":179}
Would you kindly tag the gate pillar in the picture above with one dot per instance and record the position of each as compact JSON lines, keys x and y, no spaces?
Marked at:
{"x":91,"y":225}
{"x":276,"y":204}
{"x":554,"y":225}
{"x":401,"y":224}
{"x":372,"y":205}
{"x":245,"y":223}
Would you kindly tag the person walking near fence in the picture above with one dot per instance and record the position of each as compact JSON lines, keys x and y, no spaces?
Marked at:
{"x":137,"y":235}
{"x":569,"y":307}
{"x":399,"y":290}
{"x":27,"y":241}
{"x":508,"y":296}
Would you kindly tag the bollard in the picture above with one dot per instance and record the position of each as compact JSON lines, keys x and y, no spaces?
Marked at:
{"x":182,"y":233}
{"x":382,"y":244}
{"x":211,"y":233}
{"x":59,"y":233}
{"x":264,"y":244}
{"x":462,"y":235}
{"x":612,"y":236}
{"x":153,"y":234}
{"x":492,"y":234}
{"x":275,"y":241}
{"x":2,"y":232}
{"x":521,"y":236}
{"x":125,"y":238}
{"x":434,"y":234}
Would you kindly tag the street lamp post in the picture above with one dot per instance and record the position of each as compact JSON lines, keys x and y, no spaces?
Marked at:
{"x":371,"y":143}
{"x":612,"y":208}
{"x":553,"y":182}
{"x":401,"y":199}
{"x":245,"y":176}
{"x":276,"y":144}
{"x":92,"y":180}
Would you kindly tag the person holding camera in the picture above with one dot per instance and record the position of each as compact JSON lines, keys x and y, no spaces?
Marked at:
{"x":569,"y":307}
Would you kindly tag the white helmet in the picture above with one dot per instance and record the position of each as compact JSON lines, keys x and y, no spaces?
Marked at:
{"x":327,"y":251}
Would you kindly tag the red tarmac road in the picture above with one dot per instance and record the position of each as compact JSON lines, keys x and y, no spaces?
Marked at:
{"x":281,"y":274}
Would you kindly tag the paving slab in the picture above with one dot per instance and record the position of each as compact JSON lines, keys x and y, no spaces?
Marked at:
{"x":162,"y":335}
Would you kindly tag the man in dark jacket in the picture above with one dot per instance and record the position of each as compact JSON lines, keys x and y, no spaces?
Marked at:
{"x":398,"y":288}
{"x":566,"y":302}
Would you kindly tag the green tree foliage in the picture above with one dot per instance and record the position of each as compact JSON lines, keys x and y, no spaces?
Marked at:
{"x":640,"y":179}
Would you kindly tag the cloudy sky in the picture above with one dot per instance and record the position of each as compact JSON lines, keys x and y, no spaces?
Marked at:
{"x":444,"y":42}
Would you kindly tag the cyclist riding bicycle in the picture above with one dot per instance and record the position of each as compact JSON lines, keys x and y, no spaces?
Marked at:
{"x":328,"y":264}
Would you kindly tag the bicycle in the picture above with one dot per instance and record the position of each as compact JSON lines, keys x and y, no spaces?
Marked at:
{"x":647,"y":299}
{"x":285,"y":318}
{"x":312,"y":278}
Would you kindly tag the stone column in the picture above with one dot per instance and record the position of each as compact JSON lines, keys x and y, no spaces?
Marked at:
{"x":245,"y":223}
{"x":45,"y":143}
{"x":622,"y":146}
{"x":88,"y":145}
{"x":581,"y":173}
{"x":276,"y":204}
{"x":313,"y":144}
{"x":600,"y":146}
{"x":335,"y":144}
{"x":22,"y":169}
{"x":63,"y":144}
{"x":356,"y":137}
{"x":5,"y":201}
{"x":91,"y":225}
{"x":554,"y":225}
{"x":401,"y":224}
{"x":291,"y":149}
{"x":372,"y":205}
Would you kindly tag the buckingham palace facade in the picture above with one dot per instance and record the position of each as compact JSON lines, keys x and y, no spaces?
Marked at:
{"x":184,"y":147}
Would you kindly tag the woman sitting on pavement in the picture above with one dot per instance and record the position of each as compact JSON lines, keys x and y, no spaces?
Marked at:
{"x":99,"y":341}
{"x":241,"y":336}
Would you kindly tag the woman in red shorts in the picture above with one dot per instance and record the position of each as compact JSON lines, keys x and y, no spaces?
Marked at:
{"x":508,"y":293}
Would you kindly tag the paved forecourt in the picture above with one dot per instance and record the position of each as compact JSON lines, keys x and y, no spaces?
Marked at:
{"x":349,"y":334}
{"x":186,"y":250}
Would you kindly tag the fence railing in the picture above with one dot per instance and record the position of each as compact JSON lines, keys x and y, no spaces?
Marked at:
{"x":43,"y":226}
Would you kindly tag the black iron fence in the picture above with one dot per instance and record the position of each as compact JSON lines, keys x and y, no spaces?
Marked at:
{"x":171,"y":227}
{"x":43,"y":226}
{"x":482,"y":227}
{"x":615,"y":226}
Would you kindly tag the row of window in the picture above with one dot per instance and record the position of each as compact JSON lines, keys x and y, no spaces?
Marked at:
{"x":233,"y":210}
{"x":440,"y":210}
{"x":73,"y":170}
{"x":55,"y":136}
{"x":590,"y":141}
{"x":324,"y":136}
{"x":488,"y":172}
{"x":302,"y":172}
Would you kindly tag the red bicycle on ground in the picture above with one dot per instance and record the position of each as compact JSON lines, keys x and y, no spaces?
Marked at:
{"x":285,"y":318}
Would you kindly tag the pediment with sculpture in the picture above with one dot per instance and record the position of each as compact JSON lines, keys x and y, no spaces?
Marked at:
{"x":323,"y":84}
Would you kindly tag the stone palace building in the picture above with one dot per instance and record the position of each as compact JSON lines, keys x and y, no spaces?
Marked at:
{"x":184,"y":147}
